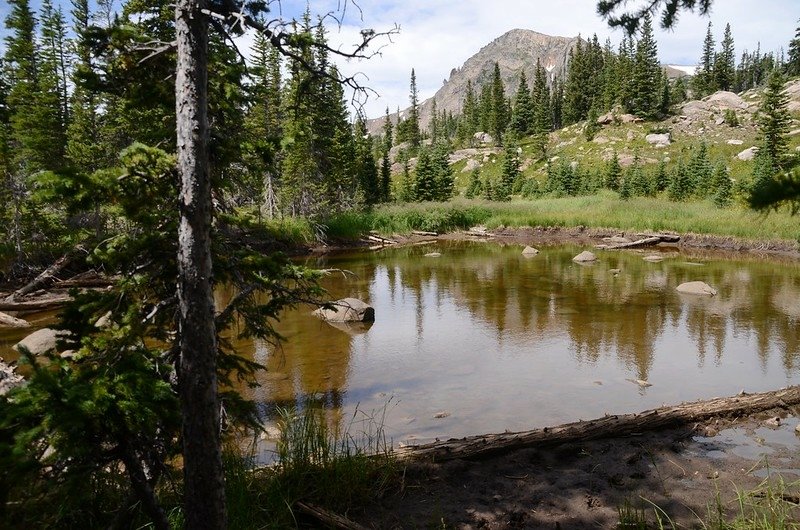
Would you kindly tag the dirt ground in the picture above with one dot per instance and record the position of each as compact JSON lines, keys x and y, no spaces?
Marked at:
{"x":582,"y":485}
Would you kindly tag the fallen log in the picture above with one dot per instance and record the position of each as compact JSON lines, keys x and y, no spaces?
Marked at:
{"x":13,"y":322}
{"x":86,"y":279}
{"x":654,"y":240}
{"x":423,"y":233}
{"x":52,"y":302}
{"x":328,"y":518}
{"x":665,"y":238}
{"x":379,"y":239}
{"x":475,"y":447}
{"x":46,"y":276}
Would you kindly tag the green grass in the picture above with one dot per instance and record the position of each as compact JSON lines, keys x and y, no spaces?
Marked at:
{"x":604,"y":210}
{"x":338,"y":471}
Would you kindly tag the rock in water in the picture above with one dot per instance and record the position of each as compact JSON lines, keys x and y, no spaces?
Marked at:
{"x":41,"y":341}
{"x":696,"y":288}
{"x":433,"y":255}
{"x":585,"y":257}
{"x":347,"y":310}
{"x":529,"y":251}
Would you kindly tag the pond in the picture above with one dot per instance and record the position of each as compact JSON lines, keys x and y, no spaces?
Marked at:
{"x":483,"y":339}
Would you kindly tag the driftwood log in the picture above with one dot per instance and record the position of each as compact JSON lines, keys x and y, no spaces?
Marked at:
{"x":635,"y":244}
{"x":13,"y":322}
{"x":53,"y":301}
{"x":475,"y":447}
{"x":46,"y":276}
{"x":328,"y":518}
{"x":423,"y":233}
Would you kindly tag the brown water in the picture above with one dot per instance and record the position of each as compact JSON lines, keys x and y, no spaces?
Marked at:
{"x":490,"y":340}
{"x":495,"y":341}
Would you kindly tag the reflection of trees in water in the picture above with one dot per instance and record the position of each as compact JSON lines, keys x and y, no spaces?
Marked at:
{"x":622,"y":314}
{"x":600,"y":313}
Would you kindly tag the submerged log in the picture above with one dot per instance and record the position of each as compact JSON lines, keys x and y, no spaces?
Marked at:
{"x":610,"y":426}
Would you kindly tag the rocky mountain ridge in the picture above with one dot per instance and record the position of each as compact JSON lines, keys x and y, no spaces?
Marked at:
{"x":514,"y":51}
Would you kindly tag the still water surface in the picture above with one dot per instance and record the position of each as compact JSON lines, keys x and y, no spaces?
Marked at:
{"x":483,"y":339}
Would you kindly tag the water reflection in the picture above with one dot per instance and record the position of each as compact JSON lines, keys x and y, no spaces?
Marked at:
{"x":499,"y":341}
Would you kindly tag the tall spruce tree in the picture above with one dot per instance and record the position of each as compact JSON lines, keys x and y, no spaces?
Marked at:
{"x":793,"y":59}
{"x":499,"y":116}
{"x":522,"y":116}
{"x":774,"y":120}
{"x":724,"y":69}
{"x":414,"y":134}
{"x":646,"y":74}
{"x":703,"y":82}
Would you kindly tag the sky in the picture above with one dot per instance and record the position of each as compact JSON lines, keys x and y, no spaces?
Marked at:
{"x":438,"y":35}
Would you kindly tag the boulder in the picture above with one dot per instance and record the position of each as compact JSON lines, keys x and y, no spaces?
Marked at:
{"x":484,"y":138}
{"x":347,"y":310}
{"x":41,"y":341}
{"x":585,"y":257}
{"x":529,"y":251}
{"x":471,"y":165}
{"x":8,"y":378}
{"x":748,"y":154}
{"x":734,"y":141}
{"x":696,"y":288}
{"x":658,"y":139}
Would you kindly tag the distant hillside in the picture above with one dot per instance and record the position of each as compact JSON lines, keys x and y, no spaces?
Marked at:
{"x":514,"y":52}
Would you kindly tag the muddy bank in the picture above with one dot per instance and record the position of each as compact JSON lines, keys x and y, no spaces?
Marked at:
{"x":579,"y":235}
{"x":582,"y":485}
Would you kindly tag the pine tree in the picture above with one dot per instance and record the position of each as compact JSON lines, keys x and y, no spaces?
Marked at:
{"x":522,"y":115}
{"x":680,"y":183}
{"x":721,"y":186}
{"x":774,"y":120}
{"x":703,"y":83}
{"x":442,"y":173}
{"x":724,"y":68}
{"x":666,"y":96}
{"x":701,"y":171}
{"x":678,"y":93}
{"x":414,"y":133}
{"x":499,"y":117}
{"x":386,"y":178}
{"x":556,"y":103}
{"x":591,"y":127}
{"x":470,"y":115}
{"x":661,"y":179}
{"x":793,"y":60}
{"x":646,"y":74}
{"x":511,"y":171}
{"x":575,"y":108}
{"x":612,"y":177}
{"x":475,"y":185}
{"x":55,"y":63}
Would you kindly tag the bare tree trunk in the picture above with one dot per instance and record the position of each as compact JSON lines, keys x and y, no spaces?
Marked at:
{"x":204,"y":488}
